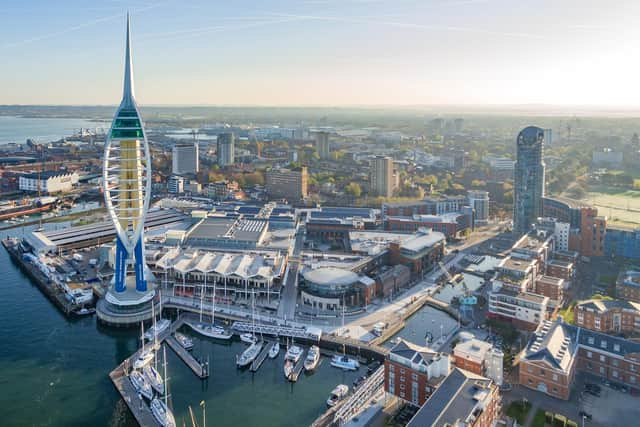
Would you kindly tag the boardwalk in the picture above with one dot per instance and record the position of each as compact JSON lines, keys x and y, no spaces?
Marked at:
{"x":201,"y":369}
{"x":358,"y":400}
{"x":298,"y":368}
{"x":139,"y":408}
{"x":255,"y":365}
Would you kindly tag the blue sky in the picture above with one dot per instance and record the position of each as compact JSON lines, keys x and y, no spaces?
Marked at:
{"x":323,"y":52}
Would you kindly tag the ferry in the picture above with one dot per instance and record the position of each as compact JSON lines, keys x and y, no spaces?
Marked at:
{"x":184,"y":341}
{"x":344,"y":362}
{"x":141,"y":384}
{"x":249,"y":354}
{"x":313,"y":358}
{"x":337,"y":394}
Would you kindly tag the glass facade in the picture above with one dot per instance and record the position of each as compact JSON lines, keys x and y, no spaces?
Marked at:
{"x":528,"y":178}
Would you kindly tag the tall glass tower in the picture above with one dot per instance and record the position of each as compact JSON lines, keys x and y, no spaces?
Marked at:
{"x":528,"y":178}
{"x":127,"y":191}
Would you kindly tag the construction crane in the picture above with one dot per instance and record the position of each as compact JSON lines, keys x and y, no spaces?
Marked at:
{"x":468,"y":298}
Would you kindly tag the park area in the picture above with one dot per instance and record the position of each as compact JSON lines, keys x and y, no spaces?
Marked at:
{"x":622,"y":207}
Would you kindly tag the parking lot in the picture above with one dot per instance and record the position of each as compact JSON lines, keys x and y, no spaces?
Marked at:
{"x":611,"y":408}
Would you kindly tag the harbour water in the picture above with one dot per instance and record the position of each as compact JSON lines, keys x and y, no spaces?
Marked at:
{"x":41,"y":130}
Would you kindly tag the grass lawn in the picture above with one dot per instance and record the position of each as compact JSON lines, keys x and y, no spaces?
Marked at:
{"x":567,"y":313}
{"x":538,"y":419}
{"x":519,"y":411}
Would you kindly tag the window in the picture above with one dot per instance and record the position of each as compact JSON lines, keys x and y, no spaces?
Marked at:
{"x":392,"y":368}
{"x":614,"y":373}
{"x":392,"y":377}
{"x":555,"y":390}
{"x":402,"y":394}
{"x":555,"y":377}
{"x":392,"y":388}
{"x":589,"y":365}
{"x":414,"y":377}
{"x":589,"y":354}
{"x":616,"y":347}
{"x":603,"y":344}
{"x":602,"y":358}
{"x":580,"y":318}
{"x":590,"y":340}
{"x":596,"y":325}
{"x":632,"y":367}
{"x":602,"y":370}
{"x":530,"y":381}
{"x":542,"y":372}
{"x":615,"y":362}
{"x":414,"y":392}
{"x":401,"y":378}
{"x":529,"y":369}
{"x":632,"y":378}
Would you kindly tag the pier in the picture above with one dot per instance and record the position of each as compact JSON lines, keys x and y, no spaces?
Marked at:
{"x":201,"y":369}
{"x":299,"y":367}
{"x":358,"y":400}
{"x":257,"y":363}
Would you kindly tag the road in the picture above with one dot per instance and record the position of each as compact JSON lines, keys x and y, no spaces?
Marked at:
{"x":289,"y":297}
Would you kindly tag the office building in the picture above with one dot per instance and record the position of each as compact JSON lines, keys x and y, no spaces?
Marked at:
{"x":382,"y":176}
{"x":290,"y":184}
{"x":464,"y":399}
{"x":322,"y":144}
{"x":226,"y":149}
{"x":528,"y":189}
{"x":479,"y":201}
{"x":185,"y":158}
{"x":175,"y":184}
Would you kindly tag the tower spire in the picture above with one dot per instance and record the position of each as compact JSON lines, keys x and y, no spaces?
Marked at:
{"x":128,"y":95}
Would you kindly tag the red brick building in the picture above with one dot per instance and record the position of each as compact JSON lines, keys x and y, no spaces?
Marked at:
{"x":609,"y":316}
{"x":552,"y":287}
{"x":412,"y":372}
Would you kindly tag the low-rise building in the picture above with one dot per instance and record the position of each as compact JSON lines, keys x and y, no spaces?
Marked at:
{"x":421,"y":252}
{"x":48,"y":182}
{"x":390,"y":280}
{"x":450,"y":224}
{"x":608,"y":316}
{"x":479,"y":357}
{"x":523,"y":309}
{"x":552,"y":287}
{"x":332,"y":288}
{"x":412,"y":372}
{"x":561,"y":269}
{"x":290,"y":184}
{"x":464,"y":399}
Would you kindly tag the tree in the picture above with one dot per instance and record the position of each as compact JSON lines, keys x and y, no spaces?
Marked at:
{"x":354,"y":189}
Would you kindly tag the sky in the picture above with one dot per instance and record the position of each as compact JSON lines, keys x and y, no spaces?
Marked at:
{"x":323,"y":52}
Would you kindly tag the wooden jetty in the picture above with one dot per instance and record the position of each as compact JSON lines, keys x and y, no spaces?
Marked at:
{"x":137,"y":405}
{"x":299,"y":367}
{"x":258,"y":361}
{"x":199,"y":368}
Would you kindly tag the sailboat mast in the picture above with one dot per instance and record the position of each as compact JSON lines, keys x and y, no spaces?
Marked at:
{"x":155,"y":336}
{"x":213,"y":304}
{"x":142,"y":334}
{"x":166,"y":378}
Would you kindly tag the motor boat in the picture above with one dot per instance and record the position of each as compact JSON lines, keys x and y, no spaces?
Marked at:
{"x":312,"y":359}
{"x":184,"y":341}
{"x":344,"y":362}
{"x":293,"y":353}
{"x":249,"y":354}
{"x":162,"y":413}
{"x":211,"y":330}
{"x":145,"y":357}
{"x":154,"y":378}
{"x":160,"y":326}
{"x":274,"y":350}
{"x":84,"y":311}
{"x":140,"y":383}
{"x":337,"y":394}
{"x":288,"y":368}
{"x":248,"y":338}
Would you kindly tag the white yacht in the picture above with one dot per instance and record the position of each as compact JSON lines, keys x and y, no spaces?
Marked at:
{"x":160,"y":326}
{"x":274,"y":350}
{"x":344,"y":362}
{"x":140,"y":383}
{"x":313,"y":358}
{"x":337,"y":394}
{"x":143,"y":359}
{"x":249,"y":354}
{"x":184,"y":341}
{"x":162,"y":413}
{"x":211,"y":330}
{"x":248,"y":338}
{"x":154,"y":378}
{"x":288,"y":368}
{"x":293,"y":353}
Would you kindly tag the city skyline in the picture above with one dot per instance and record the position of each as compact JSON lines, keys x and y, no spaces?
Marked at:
{"x":365,"y":52}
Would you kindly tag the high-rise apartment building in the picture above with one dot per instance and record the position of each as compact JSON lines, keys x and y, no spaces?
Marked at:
{"x":479,"y":201}
{"x":382,"y":176}
{"x":226,"y":149}
{"x":322,"y":144}
{"x":288,"y":184}
{"x":185,"y":158}
{"x":528,"y":178}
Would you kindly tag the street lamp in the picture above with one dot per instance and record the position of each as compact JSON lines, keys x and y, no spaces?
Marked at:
{"x":204,"y":413}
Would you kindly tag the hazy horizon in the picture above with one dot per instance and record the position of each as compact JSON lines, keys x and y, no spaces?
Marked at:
{"x":325,"y":53}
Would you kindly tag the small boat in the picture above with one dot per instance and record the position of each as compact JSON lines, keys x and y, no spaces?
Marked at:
{"x":248,"y":338}
{"x":337,"y":394}
{"x":211,"y":331}
{"x":274,"y":350}
{"x":160,"y":326}
{"x":140,"y":383}
{"x":84,"y":311}
{"x":293,"y":353}
{"x":249,"y":354}
{"x":154,"y":378}
{"x":344,"y":362}
{"x":162,"y":413}
{"x":313,"y":357}
{"x":184,"y":341}
{"x":359,"y":381}
{"x":143,"y":359}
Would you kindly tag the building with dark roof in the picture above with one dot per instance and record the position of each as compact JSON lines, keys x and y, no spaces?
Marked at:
{"x":228,"y":232}
{"x":556,"y":350}
{"x":412,"y":372}
{"x":628,"y":286}
{"x":464,"y":399}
